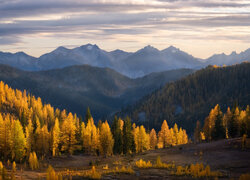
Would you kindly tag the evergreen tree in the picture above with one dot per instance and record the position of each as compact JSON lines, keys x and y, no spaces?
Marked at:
{"x":218,"y":131}
{"x":197,"y":132}
{"x":127,"y":136}
{"x":248,"y":120}
{"x":233,"y":124}
{"x":88,"y":115}
{"x":117,"y":128}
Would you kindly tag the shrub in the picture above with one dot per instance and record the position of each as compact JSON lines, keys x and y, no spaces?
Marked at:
{"x":93,"y":174}
{"x":106,"y":167}
{"x":52,"y":175}
{"x":196,"y":170}
{"x":160,"y":164}
{"x":245,"y":176}
{"x":143,"y":164}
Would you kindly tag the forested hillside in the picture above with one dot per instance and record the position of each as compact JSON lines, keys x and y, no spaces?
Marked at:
{"x":190,"y":99}
{"x":29,"y":128}
{"x":75,"y":88}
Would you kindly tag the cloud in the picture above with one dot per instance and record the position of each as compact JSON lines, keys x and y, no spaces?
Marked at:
{"x":124,"y":20}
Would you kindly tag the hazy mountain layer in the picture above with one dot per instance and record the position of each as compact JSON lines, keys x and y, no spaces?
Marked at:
{"x":137,"y":64}
{"x":75,"y":88}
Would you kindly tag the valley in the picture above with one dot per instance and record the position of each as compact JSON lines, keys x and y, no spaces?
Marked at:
{"x":225,"y":156}
{"x":75,"y":88}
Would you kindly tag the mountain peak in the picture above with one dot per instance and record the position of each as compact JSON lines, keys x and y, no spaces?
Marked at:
{"x":61,"y":48}
{"x":149,"y":49}
{"x":234,"y":53}
{"x":171,"y":49}
{"x":89,"y":46}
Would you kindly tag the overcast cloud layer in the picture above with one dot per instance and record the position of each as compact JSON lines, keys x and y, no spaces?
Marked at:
{"x":196,"y":26}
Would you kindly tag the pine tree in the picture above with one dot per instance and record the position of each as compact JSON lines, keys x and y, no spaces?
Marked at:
{"x":55,"y":138}
{"x":248,"y":120}
{"x":106,"y":140}
{"x":127,"y":136}
{"x":153,"y":139}
{"x":233,"y":124}
{"x":218,"y":132}
{"x":117,"y":128}
{"x":197,"y":132}
{"x":68,"y":131}
{"x":88,"y":115}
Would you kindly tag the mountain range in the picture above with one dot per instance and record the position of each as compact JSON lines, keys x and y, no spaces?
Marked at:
{"x":133,"y":65}
{"x":75,"y":88}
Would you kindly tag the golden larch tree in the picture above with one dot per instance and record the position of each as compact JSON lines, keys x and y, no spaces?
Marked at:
{"x":164,"y":139}
{"x":153,"y":139}
{"x":106,"y":140}
{"x":68,"y":132}
{"x":56,"y":138}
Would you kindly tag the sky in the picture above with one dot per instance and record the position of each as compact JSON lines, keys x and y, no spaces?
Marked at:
{"x":199,"y":27}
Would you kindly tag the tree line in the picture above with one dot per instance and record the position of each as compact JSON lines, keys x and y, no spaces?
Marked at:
{"x":31,"y":129}
{"x":190,"y":99}
{"x":233,"y":123}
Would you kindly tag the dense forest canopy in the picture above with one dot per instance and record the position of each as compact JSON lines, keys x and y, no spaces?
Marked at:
{"x":190,"y":99}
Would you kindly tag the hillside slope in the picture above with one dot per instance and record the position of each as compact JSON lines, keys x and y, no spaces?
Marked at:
{"x":190,"y":99}
{"x":75,"y":88}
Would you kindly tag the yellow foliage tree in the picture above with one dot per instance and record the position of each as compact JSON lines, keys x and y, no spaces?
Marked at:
{"x":153,"y":139}
{"x":33,"y":161}
{"x":164,"y":138}
{"x":141,"y":139}
{"x":90,"y":137}
{"x":18,"y":141}
{"x":68,"y":132}
{"x":42,"y":140}
{"x":55,"y":138}
{"x":106,"y":140}
{"x":29,"y":137}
